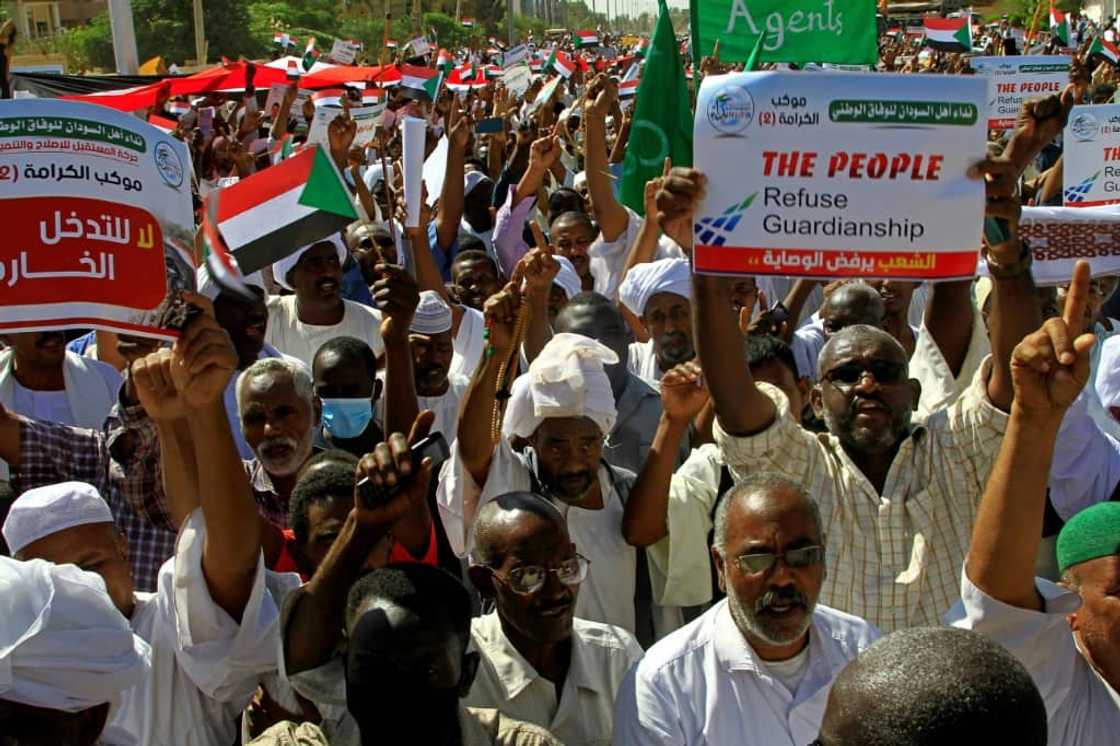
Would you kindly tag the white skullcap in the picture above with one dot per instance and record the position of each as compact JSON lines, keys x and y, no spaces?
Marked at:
{"x":1108,"y":373}
{"x":208,"y":287}
{"x":63,"y":644}
{"x":566,"y":380}
{"x":47,"y":510}
{"x":472,"y":179}
{"x":643,"y":281}
{"x":567,"y":278}
{"x":579,"y":181}
{"x":432,"y":316}
{"x":281,"y":268}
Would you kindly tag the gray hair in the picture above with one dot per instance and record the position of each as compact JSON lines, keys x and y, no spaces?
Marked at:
{"x":273,"y":366}
{"x":760,"y":482}
{"x":849,"y":332}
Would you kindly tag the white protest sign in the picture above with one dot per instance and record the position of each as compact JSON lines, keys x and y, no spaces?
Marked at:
{"x":99,"y":226}
{"x":517,"y":79}
{"x":343,"y":52}
{"x":412,"y":161}
{"x":1091,"y":156}
{"x":276,"y":97}
{"x":1059,"y":236}
{"x":840,"y":174}
{"x":514,"y":56}
{"x":367,"y":119}
{"x":435,"y":168}
{"x":1013,"y":80}
{"x":419,"y":46}
{"x":545,"y":94}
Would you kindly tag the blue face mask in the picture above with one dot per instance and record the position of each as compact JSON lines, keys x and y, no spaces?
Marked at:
{"x":347,"y":418}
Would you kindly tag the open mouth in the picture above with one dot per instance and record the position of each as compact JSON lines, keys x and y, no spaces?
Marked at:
{"x":327,"y":286}
{"x":556,"y":611}
{"x":783,"y":609}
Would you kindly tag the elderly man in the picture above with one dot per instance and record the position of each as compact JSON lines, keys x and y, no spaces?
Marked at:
{"x":540,"y":662}
{"x":755,"y":668}
{"x":897,"y":499}
{"x":299,"y":324}
{"x":67,"y":653}
{"x":1068,"y":635}
{"x":212,"y":625}
{"x":659,"y":294}
{"x":932,"y":686}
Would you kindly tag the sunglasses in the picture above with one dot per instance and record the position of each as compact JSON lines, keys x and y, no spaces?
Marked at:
{"x":752,"y":564}
{"x":850,"y":374}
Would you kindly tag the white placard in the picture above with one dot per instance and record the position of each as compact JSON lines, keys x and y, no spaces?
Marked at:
{"x":1013,"y":80}
{"x":1059,"y":236}
{"x":517,"y":79}
{"x":276,"y":98}
{"x":344,"y":52}
{"x":1091,"y":156}
{"x":367,"y":119}
{"x":412,"y":155}
{"x":515,"y":56}
{"x":435,"y":168}
{"x":839,"y":175}
{"x":419,"y":46}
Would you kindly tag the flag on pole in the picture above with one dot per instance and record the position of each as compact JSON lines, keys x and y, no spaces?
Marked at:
{"x":948,"y":34}
{"x":561,"y":63}
{"x":282,"y":149}
{"x":588,"y":38}
{"x":221,"y":265}
{"x":328,"y":97}
{"x":390,"y":44}
{"x":177,"y":108}
{"x":421,"y":80}
{"x":1105,"y":49}
{"x":643,"y":48}
{"x":1059,"y":25}
{"x":628,"y":89}
{"x":284,"y":40}
{"x":310,"y":54}
{"x":269,"y":215}
{"x":662,"y":125}
{"x":444,"y":61}
{"x":468,"y":23}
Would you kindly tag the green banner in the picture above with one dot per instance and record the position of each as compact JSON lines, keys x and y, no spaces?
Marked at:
{"x":800,"y":31}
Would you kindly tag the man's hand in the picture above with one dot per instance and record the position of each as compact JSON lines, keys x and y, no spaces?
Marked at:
{"x":680,"y":193}
{"x":598,"y":97}
{"x":1051,"y":366}
{"x":544,"y":152}
{"x":500,"y":313}
{"x":683,"y":393}
{"x":340,"y":134}
{"x":459,"y":130}
{"x":203,"y":359}
{"x":389,"y":467}
{"x":650,"y":195}
{"x":1001,"y":200}
{"x":1039,"y":123}
{"x":538,"y":268}
{"x":155,"y":387}
{"x":396,"y":294}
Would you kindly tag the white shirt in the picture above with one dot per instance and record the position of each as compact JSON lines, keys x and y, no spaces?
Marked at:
{"x":608,"y":593}
{"x":54,"y":406}
{"x":445,"y":407}
{"x":584,"y":713}
{"x":205,"y":666}
{"x":940,"y":388}
{"x":468,"y":343}
{"x":704,"y":684}
{"x":608,"y":258}
{"x":642,"y":362}
{"x":293,"y":337}
{"x":1081,"y":708}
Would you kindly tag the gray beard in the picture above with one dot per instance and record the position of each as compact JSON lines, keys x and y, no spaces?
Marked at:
{"x":748,"y":623}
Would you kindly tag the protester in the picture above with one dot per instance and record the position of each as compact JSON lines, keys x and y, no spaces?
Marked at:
{"x":659,"y":294}
{"x":756,"y":667}
{"x":347,"y":387}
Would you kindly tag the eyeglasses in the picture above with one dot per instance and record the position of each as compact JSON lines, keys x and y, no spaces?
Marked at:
{"x":850,"y":374}
{"x":531,"y":578}
{"x":752,"y":564}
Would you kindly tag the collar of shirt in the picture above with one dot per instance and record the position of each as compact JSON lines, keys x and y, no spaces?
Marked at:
{"x":515,"y":673}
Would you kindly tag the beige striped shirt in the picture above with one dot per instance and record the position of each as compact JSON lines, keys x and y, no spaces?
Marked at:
{"x":894,"y":559}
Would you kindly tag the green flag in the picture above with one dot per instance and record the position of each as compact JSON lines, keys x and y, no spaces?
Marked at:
{"x":839,"y":31}
{"x":662,"y":125}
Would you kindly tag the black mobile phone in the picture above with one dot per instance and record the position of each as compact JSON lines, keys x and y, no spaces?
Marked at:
{"x":489,"y":126}
{"x":434,"y":447}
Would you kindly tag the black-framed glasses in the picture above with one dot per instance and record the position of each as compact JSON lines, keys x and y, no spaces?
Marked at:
{"x":759,"y":562}
{"x":531,"y":578}
{"x":883,"y":372}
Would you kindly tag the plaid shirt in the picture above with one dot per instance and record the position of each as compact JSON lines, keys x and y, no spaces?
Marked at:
{"x":122,"y":461}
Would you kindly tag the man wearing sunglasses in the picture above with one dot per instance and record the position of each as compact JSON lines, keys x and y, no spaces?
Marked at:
{"x":755,"y":668}
{"x":897,"y":500}
{"x":540,"y":663}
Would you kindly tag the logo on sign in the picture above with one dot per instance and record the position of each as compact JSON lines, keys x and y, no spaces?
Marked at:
{"x":168,"y":164}
{"x":1084,"y":126}
{"x":731,"y":110}
{"x":1079,"y":192}
{"x":715,"y":231}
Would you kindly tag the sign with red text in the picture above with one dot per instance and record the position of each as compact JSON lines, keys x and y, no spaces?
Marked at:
{"x":96,"y":208}
{"x":1091,"y":156}
{"x":839,"y":175}
{"x":1013,"y":80}
{"x":1061,"y":236}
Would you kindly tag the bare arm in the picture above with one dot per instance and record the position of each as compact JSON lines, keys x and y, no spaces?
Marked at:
{"x":539,"y":269}
{"x":1050,"y":367}
{"x":645,"y":519}
{"x":742,"y":409}
{"x":451,"y":199}
{"x":280,"y":126}
{"x":645,"y":245}
{"x":11,"y":426}
{"x":949,"y":317}
{"x":609,"y":214}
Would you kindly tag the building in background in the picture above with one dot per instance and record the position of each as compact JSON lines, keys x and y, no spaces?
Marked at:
{"x":38,"y":18}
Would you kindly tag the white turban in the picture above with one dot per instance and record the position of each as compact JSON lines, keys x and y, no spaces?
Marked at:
{"x":566,"y":380}
{"x":432,"y":316}
{"x":47,"y":510}
{"x":1108,"y":373}
{"x":63,"y":644}
{"x":643,"y":281}
{"x":208,"y":287}
{"x":567,"y":278}
{"x":472,"y":179}
{"x":281,"y":268}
